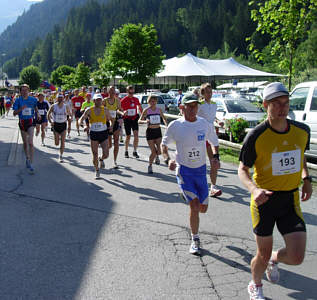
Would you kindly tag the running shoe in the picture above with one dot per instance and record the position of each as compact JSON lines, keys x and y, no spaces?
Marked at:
{"x":115,"y":165}
{"x":215,"y":193}
{"x":149,"y":169}
{"x":195,"y":247}
{"x":68,"y":136}
{"x":157,"y":160}
{"x":272,"y":272}
{"x":78,"y":133}
{"x":97,"y":174}
{"x":28,"y":164}
{"x":101,"y":163}
{"x":255,"y":291}
{"x":135,"y":154}
{"x":121,"y":140}
{"x":43,"y":145}
{"x":126,"y":154}
{"x":61,"y":158}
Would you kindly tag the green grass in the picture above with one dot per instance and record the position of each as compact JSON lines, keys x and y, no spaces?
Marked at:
{"x":229,"y":155}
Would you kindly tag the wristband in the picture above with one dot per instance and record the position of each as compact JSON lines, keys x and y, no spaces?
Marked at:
{"x":216,"y":156}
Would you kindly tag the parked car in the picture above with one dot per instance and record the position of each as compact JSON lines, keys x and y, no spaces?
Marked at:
{"x":173,"y":107}
{"x":236,"y":108}
{"x":173,"y":92}
{"x":303,"y":108}
{"x":167,"y":98}
{"x":143,"y":100}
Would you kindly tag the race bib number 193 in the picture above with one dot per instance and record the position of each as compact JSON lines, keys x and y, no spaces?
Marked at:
{"x":287,"y":162}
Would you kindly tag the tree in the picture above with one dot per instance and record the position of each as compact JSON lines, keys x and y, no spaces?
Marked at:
{"x":80,"y":77}
{"x":58,"y":74}
{"x":31,"y":75}
{"x":133,"y":53}
{"x":287,"y":23}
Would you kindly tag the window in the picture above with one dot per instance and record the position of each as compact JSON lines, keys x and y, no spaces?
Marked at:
{"x":313,"y":105}
{"x":298,"y":98}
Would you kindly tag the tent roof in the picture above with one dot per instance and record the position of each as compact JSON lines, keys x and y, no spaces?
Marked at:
{"x":190,"y":65}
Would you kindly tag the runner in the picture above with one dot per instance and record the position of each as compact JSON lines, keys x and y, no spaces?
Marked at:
{"x":98,"y":116}
{"x":275,"y":149}
{"x":8,"y":103}
{"x":25,"y":107}
{"x":85,"y":105}
{"x":207,"y":110}
{"x":59,"y":110}
{"x":68,"y":103}
{"x":77,"y":103}
{"x":2,"y":108}
{"x":190,"y":134}
{"x":41,"y":124}
{"x":153,"y":114}
{"x":114,"y":106}
{"x":129,"y":105}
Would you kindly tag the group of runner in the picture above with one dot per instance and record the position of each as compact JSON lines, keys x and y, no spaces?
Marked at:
{"x":275,"y":149}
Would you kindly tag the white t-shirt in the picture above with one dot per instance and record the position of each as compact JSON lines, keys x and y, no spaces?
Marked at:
{"x":207,"y":111}
{"x":190,"y":138}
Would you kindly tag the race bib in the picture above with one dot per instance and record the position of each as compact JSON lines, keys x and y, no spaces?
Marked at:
{"x":131,"y":112}
{"x":155,"y":119}
{"x":77,"y":104}
{"x":113,"y":113}
{"x":193,"y":155}
{"x":98,"y":126}
{"x":60,"y":118}
{"x":287,"y":162}
{"x":27,"y":111}
{"x":42,"y":112}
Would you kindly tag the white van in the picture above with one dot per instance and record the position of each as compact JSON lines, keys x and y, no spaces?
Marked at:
{"x":303,"y":108}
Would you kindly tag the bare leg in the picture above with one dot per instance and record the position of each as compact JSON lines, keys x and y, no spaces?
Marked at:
{"x":116,"y":144}
{"x":135,"y":139}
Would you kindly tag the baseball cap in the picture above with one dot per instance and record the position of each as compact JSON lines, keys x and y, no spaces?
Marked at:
{"x":97,"y":96}
{"x":189,"y":98}
{"x":273,"y":90}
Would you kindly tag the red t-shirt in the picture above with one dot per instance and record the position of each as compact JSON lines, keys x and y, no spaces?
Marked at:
{"x":130,"y":104}
{"x":104,"y":95}
{"x":77,"y":102}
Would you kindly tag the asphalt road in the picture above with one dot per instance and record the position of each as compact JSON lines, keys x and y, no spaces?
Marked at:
{"x":65,"y":235}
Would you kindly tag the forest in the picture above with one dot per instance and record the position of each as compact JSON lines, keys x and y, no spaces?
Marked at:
{"x":207,"y":28}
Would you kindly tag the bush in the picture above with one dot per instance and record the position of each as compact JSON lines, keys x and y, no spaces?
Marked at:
{"x":236,"y":128}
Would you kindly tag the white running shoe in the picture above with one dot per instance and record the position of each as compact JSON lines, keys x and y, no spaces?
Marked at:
{"x":255,"y":291}
{"x":97,"y":174}
{"x":195,"y":247}
{"x":272,"y":272}
{"x":115,"y":165}
{"x":68,"y":136}
{"x":61,"y":158}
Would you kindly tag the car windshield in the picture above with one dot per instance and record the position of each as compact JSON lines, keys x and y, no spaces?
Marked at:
{"x":240,"y":106}
{"x":166,"y":96}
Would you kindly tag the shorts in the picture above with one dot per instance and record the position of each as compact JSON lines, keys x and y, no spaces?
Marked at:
{"x":78,"y":114}
{"x":282,"y":208}
{"x":153,"y":133}
{"x":115,"y":127}
{"x":99,"y":136}
{"x":24,"y":125}
{"x":131,"y":124}
{"x":59,"y":127}
{"x":8,"y":105}
{"x":43,"y":120}
{"x":193,"y":183}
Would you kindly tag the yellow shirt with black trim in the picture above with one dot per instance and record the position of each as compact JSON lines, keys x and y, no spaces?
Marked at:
{"x":277,"y":157}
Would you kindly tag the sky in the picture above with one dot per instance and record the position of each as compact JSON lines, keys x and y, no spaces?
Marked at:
{"x":11,"y":9}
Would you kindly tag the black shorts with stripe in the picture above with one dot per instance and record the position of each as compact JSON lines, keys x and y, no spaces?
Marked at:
{"x":282,"y":209}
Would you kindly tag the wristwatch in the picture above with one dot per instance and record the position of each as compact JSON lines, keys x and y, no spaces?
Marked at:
{"x":309,"y":178}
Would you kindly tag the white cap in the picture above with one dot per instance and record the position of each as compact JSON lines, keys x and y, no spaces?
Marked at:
{"x":97,"y":96}
{"x":274,"y":90}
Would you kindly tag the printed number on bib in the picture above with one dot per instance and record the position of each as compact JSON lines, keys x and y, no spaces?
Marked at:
{"x":98,"y":126}
{"x":42,"y":112}
{"x":60,"y":118}
{"x":113,"y":113}
{"x":77,"y":104}
{"x":27,"y":111}
{"x":131,"y":112}
{"x":193,"y":154}
{"x":287,"y":162}
{"x":155,"y":119}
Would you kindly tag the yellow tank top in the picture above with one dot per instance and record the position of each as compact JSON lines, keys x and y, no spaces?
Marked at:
{"x":97,"y":119}
{"x":112,"y":107}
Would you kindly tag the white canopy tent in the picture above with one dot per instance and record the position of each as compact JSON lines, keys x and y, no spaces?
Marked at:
{"x":194,"y":69}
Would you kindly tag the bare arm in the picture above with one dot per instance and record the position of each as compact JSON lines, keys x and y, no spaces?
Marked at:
{"x":260,"y":195}
{"x":163,"y":117}
{"x":49,"y":113}
{"x":143,"y":116}
{"x":307,"y":189}
{"x":84,"y":116}
{"x":170,"y":162}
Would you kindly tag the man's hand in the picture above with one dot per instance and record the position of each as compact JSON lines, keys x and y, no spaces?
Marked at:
{"x":261,"y":196}
{"x":307,"y":190}
{"x":172,"y":165}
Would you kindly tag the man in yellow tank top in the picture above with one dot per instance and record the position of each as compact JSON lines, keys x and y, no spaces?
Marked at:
{"x":98,"y":116}
{"x":275,"y":149}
